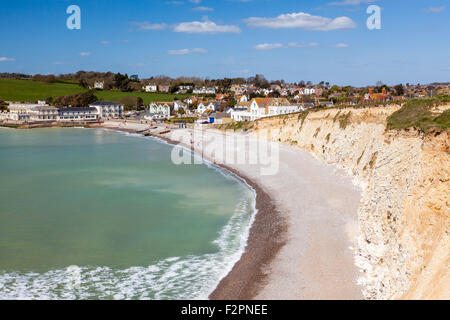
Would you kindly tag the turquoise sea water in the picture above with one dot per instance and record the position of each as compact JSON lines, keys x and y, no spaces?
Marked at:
{"x":96,"y":214}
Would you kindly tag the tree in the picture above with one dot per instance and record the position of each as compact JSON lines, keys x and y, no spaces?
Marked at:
{"x":399,"y":90}
{"x":139,"y":102}
{"x":132,"y":103}
{"x":49,"y":100}
{"x":80,"y":100}
{"x":122,"y":82}
{"x":274,"y":94}
{"x":43,"y":78}
{"x":194,"y":105}
{"x":3,"y":105}
{"x":181,"y":111}
{"x":82,"y":83}
{"x":227,"y":103}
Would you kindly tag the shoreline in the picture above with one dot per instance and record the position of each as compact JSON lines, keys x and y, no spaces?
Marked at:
{"x":265,"y":239}
{"x":298,"y":246}
{"x":300,"y":243}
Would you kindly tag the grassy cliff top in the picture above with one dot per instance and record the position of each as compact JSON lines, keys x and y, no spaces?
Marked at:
{"x":421,"y":114}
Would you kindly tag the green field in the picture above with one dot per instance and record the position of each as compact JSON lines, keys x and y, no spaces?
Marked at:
{"x":31,"y":91}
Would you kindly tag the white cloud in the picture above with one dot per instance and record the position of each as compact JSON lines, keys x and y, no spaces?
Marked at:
{"x":268,"y":46}
{"x":195,"y":1}
{"x":149,"y":26}
{"x":302,"y":45}
{"x":340,"y":45}
{"x":202,"y":9}
{"x":85,"y":54}
{"x":5,"y":59}
{"x":104,"y":42}
{"x":350,"y":2}
{"x":302,"y":20}
{"x":271,"y":46}
{"x":206,"y":27}
{"x":186,"y":51}
{"x":436,"y":9}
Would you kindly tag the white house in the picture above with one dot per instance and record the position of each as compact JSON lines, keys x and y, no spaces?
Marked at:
{"x":206,"y":106}
{"x":307,"y":91}
{"x":204,"y":90}
{"x":242,"y":98}
{"x":264,"y":107}
{"x":282,"y":106}
{"x":99,"y":85}
{"x":265,"y":92}
{"x":150,"y":88}
{"x":241,"y":114}
{"x":32,"y":112}
{"x":107,"y":110}
{"x":162,"y":109}
{"x":191,"y":100}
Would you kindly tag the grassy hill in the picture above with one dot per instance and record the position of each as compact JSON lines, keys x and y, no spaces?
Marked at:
{"x":30,"y":91}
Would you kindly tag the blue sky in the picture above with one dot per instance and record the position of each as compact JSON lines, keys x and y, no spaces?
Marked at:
{"x":283,"y":39}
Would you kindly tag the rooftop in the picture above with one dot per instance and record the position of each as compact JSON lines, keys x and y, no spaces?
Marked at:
{"x":77,"y":109}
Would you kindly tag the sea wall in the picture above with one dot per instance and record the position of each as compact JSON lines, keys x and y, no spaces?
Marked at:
{"x":403,"y":248}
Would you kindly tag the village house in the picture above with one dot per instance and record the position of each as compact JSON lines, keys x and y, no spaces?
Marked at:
{"x":77,"y":114}
{"x":204,"y":90}
{"x":164,"y":89}
{"x":203,"y":107}
{"x":308,"y":105}
{"x":108,"y":110}
{"x":150,"y":88}
{"x":100,"y":85}
{"x":238,"y":90}
{"x":182,"y":89}
{"x":191,"y":100}
{"x":162,"y":110}
{"x":221,"y":96}
{"x":242,"y":98}
{"x":32,"y":112}
{"x":327,"y":104}
{"x":377,"y":97}
{"x":265,"y":92}
{"x":264,"y":107}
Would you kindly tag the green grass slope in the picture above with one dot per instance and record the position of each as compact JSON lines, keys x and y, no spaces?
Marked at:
{"x":30,"y":91}
{"x":418,"y":114}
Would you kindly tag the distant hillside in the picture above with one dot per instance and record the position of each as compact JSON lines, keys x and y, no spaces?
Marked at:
{"x":28,"y":90}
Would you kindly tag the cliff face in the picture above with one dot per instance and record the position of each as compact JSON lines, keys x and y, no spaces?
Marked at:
{"x":403,"y":248}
